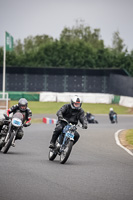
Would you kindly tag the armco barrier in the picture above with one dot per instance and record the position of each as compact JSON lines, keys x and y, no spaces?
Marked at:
{"x":86,"y":97}
{"x":126,"y":101}
{"x":66,"y":96}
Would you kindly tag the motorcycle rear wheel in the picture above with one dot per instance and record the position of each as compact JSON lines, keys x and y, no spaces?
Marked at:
{"x":65,"y":154}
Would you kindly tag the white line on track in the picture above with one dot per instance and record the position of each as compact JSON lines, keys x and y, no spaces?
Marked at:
{"x":119,"y":144}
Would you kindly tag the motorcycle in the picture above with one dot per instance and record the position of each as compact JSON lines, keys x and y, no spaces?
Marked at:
{"x":10,"y":130}
{"x":114,"y":119}
{"x":64,"y":143}
{"x":91,"y":120}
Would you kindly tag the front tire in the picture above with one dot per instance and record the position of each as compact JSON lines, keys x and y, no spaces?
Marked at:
{"x":1,"y":146}
{"x":52,"y":154}
{"x":8,"y":144}
{"x":66,"y":152}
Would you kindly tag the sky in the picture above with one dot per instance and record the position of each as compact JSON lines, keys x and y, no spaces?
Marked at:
{"x":23,"y":18}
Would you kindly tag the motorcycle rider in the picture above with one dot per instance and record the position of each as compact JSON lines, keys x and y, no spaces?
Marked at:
{"x":72,"y":113}
{"x":21,"y":107}
{"x":88,"y":116}
{"x":111,"y":113}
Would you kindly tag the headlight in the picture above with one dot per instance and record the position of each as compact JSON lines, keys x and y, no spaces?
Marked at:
{"x":16,"y":122}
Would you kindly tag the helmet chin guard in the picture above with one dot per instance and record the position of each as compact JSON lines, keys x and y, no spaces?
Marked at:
{"x":76,"y":102}
{"x":23,"y":103}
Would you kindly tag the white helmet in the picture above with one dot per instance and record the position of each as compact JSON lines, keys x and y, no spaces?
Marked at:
{"x":76,"y":102}
{"x":111,"y":109}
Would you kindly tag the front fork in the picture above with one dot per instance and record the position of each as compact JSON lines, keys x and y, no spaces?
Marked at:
{"x":9,"y":132}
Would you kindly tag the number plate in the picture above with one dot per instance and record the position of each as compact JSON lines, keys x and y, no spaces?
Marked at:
{"x":16,"y":122}
{"x":70,"y":135}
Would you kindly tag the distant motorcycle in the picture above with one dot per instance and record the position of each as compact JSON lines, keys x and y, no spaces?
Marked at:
{"x":10,"y":130}
{"x":114,"y":119}
{"x":91,"y":119}
{"x":64,"y":143}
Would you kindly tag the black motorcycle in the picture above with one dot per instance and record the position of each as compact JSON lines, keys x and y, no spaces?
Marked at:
{"x":10,"y":130}
{"x":114,"y":119}
{"x":91,"y":119}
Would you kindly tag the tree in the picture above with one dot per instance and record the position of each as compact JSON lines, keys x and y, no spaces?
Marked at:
{"x":18,"y":47}
{"x":118,"y":43}
{"x":81,"y":32}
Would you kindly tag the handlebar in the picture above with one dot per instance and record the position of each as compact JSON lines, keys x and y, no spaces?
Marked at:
{"x":6,"y":117}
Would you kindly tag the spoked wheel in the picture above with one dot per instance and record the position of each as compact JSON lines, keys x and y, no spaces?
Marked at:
{"x":52,"y":154}
{"x":8,"y":143}
{"x":1,"y":143}
{"x":1,"y":146}
{"x":66,"y":152}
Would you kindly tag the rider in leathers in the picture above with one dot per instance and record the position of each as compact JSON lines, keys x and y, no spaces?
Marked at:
{"x":72,"y":113}
{"x":26,"y":112}
{"x":111,"y":113}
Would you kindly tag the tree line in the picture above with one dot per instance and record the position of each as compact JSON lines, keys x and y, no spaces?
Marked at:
{"x":77,"y":47}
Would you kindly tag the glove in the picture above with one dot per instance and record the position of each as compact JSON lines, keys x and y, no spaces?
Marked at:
{"x":6,"y":116}
{"x":84,"y":126}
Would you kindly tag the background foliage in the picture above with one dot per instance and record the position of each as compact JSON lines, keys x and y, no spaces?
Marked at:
{"x":77,"y":47}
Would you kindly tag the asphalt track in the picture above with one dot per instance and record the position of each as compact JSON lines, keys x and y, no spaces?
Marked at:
{"x":98,"y":169}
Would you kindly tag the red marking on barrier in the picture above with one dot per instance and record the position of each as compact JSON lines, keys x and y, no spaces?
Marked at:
{"x":45,"y":120}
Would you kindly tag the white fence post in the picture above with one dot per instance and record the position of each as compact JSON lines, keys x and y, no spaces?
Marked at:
{"x":3,"y":103}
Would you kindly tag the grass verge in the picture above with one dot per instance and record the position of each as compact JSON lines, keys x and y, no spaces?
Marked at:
{"x":129,"y":136}
{"x":126,"y":138}
{"x":52,"y":107}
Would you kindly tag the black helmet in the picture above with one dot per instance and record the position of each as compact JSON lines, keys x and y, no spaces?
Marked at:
{"x":76,"y":102}
{"x":23,"y":103}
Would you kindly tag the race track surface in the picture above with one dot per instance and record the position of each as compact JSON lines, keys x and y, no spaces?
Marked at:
{"x":97,"y":169}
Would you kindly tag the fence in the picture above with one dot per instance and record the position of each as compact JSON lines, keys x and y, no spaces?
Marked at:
{"x":68,"y":80}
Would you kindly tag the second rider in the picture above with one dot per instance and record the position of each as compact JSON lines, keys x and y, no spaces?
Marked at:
{"x":72,"y":113}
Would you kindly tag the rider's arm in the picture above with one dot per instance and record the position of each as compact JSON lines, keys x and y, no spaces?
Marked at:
{"x":12,"y":109}
{"x":8,"y":112}
{"x":83,"y":120}
{"x":29,"y":115}
{"x":61,"y":111}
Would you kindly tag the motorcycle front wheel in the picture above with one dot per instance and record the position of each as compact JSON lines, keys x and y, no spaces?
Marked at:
{"x":66,"y":152}
{"x":52,"y":154}
{"x":8,"y":143}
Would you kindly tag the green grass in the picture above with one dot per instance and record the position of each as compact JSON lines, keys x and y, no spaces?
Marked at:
{"x":52,"y":107}
{"x":129,"y":136}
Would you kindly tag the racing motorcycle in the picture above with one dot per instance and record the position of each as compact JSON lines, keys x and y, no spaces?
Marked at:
{"x":92,"y":120}
{"x":64,"y":143}
{"x":10,"y":130}
{"x":114,"y":118}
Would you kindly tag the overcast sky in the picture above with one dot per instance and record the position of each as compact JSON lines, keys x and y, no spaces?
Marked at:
{"x":22,"y":18}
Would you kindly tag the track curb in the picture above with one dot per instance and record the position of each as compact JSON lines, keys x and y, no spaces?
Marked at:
{"x":119,"y":144}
